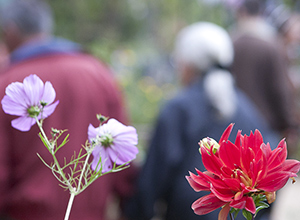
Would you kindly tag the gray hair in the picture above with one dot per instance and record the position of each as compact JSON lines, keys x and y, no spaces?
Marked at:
{"x":204,"y":45}
{"x":30,"y":16}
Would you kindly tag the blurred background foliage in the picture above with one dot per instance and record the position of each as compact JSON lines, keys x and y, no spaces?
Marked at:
{"x":135,"y":38}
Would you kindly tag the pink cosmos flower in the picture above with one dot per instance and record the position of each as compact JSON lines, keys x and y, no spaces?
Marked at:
{"x":237,"y":172}
{"x":115,"y":143}
{"x":28,"y":100}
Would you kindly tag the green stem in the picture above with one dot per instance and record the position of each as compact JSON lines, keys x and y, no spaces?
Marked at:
{"x":53,"y":155}
{"x":70,"y":203}
{"x":82,"y":172}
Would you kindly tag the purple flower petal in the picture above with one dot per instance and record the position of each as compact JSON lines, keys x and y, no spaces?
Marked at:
{"x":23,"y":123}
{"x":15,"y":91}
{"x":106,"y":163}
{"x":49,"y":109}
{"x":34,"y":88}
{"x":49,"y":93}
{"x":128,"y":135}
{"x":92,"y":132}
{"x":13,"y":108}
{"x":123,"y":154}
{"x":96,"y":155}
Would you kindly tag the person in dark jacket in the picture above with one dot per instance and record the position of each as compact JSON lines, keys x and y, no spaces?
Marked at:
{"x":205,"y":106}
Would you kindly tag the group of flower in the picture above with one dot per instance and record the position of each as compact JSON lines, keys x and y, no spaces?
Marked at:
{"x":240,"y":174}
{"x":33,"y":100}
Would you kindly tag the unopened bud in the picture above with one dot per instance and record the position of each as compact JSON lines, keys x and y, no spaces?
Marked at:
{"x":101,"y":118}
{"x":209,"y":143}
{"x":43,"y":104}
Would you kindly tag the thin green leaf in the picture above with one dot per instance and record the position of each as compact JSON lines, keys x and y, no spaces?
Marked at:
{"x":261,"y":205}
{"x":247,"y":214}
{"x":45,"y":142}
{"x":63,"y":143}
{"x":44,"y":162}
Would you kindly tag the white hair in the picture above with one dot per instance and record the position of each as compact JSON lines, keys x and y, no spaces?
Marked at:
{"x":204,"y":45}
{"x":219,"y":88}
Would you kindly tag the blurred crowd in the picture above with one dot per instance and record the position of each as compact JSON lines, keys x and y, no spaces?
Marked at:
{"x":247,"y":73}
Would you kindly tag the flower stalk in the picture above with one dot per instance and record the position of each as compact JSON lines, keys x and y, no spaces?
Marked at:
{"x":70,"y":203}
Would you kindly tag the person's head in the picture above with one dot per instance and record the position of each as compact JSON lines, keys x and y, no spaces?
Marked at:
{"x":201,"y":47}
{"x":22,"y":20}
{"x":250,"y":8}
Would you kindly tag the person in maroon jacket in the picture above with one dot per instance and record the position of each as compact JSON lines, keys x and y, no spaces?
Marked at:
{"x":84,"y":87}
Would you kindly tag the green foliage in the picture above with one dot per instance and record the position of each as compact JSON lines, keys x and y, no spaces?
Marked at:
{"x":260,"y":202}
{"x":247,"y":214}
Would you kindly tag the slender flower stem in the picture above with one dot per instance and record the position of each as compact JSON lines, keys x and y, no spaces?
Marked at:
{"x":53,"y":155}
{"x":68,"y":211}
{"x":82,"y":172}
{"x":231,"y":216}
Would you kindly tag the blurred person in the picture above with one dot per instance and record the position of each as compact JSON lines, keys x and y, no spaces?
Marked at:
{"x":206,"y":105}
{"x":287,"y":24}
{"x":260,"y":70}
{"x":3,"y":56}
{"x":85,"y":87}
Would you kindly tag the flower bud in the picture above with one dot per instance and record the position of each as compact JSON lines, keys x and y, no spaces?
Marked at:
{"x":208,"y":143}
{"x":101,"y":118}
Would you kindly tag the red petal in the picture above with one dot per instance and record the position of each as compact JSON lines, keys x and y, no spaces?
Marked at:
{"x":239,"y":138}
{"x":250,"y":206}
{"x":233,"y":184}
{"x":247,"y":156}
{"x":288,"y":165}
{"x":224,"y":194}
{"x":239,"y":204}
{"x":274,"y":181}
{"x":207,"y":204}
{"x":278,"y":155}
{"x":213,"y":179}
{"x":224,"y":212}
{"x":253,"y":141}
{"x":226,"y":133}
{"x":266,"y":150}
{"x":198,"y":183}
{"x":212,"y":163}
{"x":291,"y":166}
{"x":230,"y":155}
{"x":226,"y":172}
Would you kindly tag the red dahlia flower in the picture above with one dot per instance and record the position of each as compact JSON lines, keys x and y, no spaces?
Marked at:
{"x":239,"y":172}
